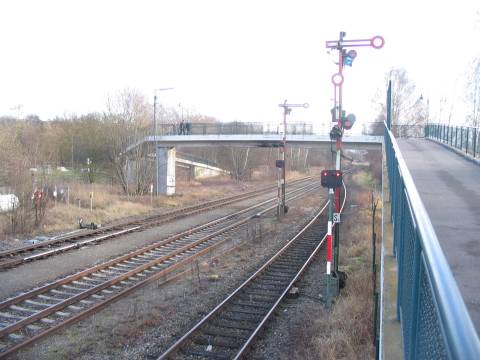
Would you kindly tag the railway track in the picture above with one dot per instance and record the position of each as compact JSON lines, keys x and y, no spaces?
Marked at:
{"x":15,"y":257}
{"x":230,"y":329}
{"x":37,"y":313}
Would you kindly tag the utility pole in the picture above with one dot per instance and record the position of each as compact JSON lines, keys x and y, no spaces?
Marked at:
{"x":155,"y":134}
{"x":287,"y":109}
{"x":342,"y":123}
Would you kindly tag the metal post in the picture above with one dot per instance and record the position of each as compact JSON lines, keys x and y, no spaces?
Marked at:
{"x":475,"y":142}
{"x":389,"y":105}
{"x":155,"y":141}
{"x":155,"y":133}
{"x":466,"y":145}
{"x":284,"y":149}
{"x":279,"y":192}
{"x":330,"y":291}
{"x":456,"y":136}
{"x":287,"y":108}
{"x":461,"y":138}
{"x":376,"y":42}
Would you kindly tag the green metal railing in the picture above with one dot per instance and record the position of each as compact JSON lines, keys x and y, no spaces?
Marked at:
{"x":435,"y":323}
{"x":434,"y":319}
{"x":465,"y":139}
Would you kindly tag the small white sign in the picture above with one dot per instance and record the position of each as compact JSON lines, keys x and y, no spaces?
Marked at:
{"x":336,"y":218}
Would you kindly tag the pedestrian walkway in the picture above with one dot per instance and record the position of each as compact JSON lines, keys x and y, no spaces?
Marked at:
{"x":449,"y":186}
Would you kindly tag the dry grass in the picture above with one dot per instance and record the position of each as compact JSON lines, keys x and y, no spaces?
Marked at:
{"x":347,"y":331}
{"x":63,"y":216}
{"x":109,"y":203}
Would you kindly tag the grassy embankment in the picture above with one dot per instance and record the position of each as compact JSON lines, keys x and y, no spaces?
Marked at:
{"x":346,"y":332}
{"x":110,"y":204}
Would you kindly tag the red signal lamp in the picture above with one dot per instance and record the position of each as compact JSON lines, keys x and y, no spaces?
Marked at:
{"x":331,"y":179}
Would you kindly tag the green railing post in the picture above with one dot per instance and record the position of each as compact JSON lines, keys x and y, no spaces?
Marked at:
{"x":456,"y":136}
{"x":475,"y":142}
{"x":466,"y":146}
{"x":461,"y":138}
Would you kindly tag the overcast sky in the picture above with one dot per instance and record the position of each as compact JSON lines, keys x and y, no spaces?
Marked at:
{"x":228,"y":59}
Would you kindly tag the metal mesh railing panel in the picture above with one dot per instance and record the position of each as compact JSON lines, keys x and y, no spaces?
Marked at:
{"x":407,"y":275}
{"x":434,"y":320}
{"x":430,"y":339}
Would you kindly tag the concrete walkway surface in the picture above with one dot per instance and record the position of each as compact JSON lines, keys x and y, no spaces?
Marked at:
{"x":449,"y":186}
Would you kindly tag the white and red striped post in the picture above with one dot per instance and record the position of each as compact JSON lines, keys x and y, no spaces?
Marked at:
{"x":329,"y":248}
{"x":330,"y":291}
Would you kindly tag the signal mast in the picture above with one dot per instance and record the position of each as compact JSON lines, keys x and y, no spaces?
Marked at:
{"x":333,"y":179}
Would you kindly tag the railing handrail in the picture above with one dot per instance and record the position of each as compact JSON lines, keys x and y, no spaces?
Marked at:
{"x":461,"y":337}
{"x":463,"y":138}
{"x":454,"y":125}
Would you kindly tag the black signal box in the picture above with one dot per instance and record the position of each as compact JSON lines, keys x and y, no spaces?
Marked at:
{"x":331,"y":178}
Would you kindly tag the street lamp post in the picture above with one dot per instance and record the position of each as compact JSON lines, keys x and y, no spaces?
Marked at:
{"x":155,"y":133}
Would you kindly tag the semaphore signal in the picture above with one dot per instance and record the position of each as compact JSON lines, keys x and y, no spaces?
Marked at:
{"x":341,"y":122}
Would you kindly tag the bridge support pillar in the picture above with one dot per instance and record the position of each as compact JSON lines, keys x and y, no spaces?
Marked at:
{"x":165,"y":167}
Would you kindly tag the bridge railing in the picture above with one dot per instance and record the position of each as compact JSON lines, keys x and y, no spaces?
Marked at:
{"x":434,"y":319}
{"x":403,"y":131}
{"x":233,"y":128}
{"x":459,"y":137}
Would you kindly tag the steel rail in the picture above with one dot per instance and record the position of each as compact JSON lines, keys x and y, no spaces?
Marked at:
{"x":140,"y":251}
{"x":142,"y":224}
{"x":180,"y":342}
{"x":115,"y":281}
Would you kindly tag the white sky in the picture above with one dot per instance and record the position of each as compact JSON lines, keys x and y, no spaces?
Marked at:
{"x":228,"y":59}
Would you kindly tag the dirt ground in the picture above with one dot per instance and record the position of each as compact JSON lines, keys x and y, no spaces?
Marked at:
{"x":110,"y":205}
{"x":38,"y":272}
{"x":145,"y":323}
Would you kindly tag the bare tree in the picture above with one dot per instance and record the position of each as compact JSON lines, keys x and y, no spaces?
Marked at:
{"x":239,"y":165}
{"x":473,"y":94}
{"x":408,"y":106}
{"x":126,"y":121}
{"x":15,"y":175}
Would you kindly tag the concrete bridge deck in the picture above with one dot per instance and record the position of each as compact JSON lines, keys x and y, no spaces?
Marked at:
{"x":259,"y":140}
{"x":449,"y":186}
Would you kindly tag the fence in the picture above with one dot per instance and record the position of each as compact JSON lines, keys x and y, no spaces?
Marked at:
{"x":233,"y":128}
{"x":404,"y":131}
{"x":462,"y":138}
{"x":434,"y":319}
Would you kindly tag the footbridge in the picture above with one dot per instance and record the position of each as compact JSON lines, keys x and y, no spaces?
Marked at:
{"x":428,"y":305}
{"x":165,"y":145}
{"x":431,"y":246}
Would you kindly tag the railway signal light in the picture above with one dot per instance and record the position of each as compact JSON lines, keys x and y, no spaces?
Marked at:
{"x":331,"y":179}
{"x":349,"y":57}
{"x":335,"y":133}
{"x":349,"y":121}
